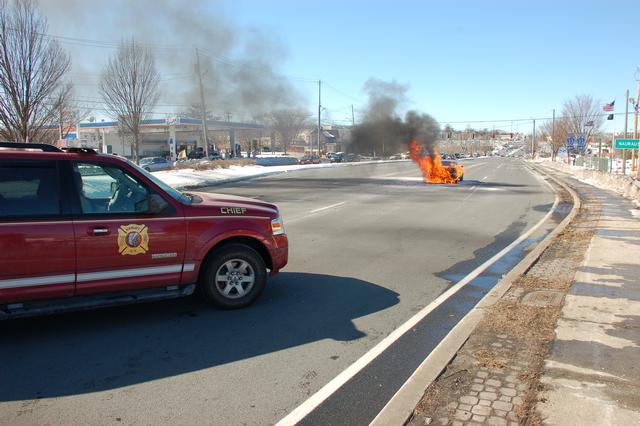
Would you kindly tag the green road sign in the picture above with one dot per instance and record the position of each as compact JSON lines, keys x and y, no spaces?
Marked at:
{"x":627,"y":143}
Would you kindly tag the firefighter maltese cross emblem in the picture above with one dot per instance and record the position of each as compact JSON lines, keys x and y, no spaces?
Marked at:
{"x":133,"y":239}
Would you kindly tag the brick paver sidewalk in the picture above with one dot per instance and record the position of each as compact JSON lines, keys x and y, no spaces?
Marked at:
{"x":538,"y":358}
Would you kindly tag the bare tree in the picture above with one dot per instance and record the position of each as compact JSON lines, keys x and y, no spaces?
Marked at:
{"x":129,"y":87}
{"x":555,"y":134}
{"x":66,"y":115}
{"x":583,"y":115}
{"x":580,"y":115}
{"x":194,"y":110}
{"x":288,"y":123}
{"x":32,"y":66}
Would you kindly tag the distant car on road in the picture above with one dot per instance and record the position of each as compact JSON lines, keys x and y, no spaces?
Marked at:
{"x":352,"y":157}
{"x":310,"y":159}
{"x":154,"y":164}
{"x":455,"y":169}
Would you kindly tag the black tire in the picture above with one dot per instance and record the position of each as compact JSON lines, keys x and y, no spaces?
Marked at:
{"x":244,"y":262}
{"x":148,"y":169}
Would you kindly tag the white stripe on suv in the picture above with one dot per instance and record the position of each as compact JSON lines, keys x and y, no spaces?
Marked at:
{"x":127,"y":273}
{"x":94,"y":276}
{"x":30,"y":282}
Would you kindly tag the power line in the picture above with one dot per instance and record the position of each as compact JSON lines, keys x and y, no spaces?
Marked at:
{"x":335,"y":89}
{"x":515,"y":120}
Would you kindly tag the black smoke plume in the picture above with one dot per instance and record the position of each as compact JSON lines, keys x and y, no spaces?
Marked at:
{"x":240,"y":64}
{"x":383,"y":132}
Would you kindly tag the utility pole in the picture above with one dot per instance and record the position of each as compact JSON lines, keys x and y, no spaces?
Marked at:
{"x":202,"y":106}
{"x":553,"y":131}
{"x":635,"y":124}
{"x":319,"y":111}
{"x":353,"y":117}
{"x":533,"y":139}
{"x":626,"y":119}
{"x":599,"y":153}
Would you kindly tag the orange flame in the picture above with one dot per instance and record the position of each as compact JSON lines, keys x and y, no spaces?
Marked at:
{"x":432,"y":168}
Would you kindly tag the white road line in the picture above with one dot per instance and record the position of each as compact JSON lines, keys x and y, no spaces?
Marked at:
{"x":485,"y":177}
{"x":499,"y":165}
{"x":327,"y":390}
{"x":473,"y":189}
{"x":327,"y":207}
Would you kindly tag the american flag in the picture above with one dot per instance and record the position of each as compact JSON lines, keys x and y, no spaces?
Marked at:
{"x":609,"y":107}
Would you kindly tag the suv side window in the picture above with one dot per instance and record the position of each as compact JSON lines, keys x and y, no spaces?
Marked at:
{"x":29,"y":189}
{"x":107,"y":189}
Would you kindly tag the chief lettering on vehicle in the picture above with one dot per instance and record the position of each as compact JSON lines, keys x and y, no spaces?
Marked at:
{"x":233,"y":210}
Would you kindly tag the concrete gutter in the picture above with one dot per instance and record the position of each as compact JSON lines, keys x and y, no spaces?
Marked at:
{"x":400,"y":408}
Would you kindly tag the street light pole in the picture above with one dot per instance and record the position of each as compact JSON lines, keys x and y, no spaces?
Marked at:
{"x":203,"y":107}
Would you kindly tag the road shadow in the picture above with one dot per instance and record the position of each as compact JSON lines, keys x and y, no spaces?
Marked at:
{"x":100,"y":350}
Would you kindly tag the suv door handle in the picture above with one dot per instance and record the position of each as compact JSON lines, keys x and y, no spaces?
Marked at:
{"x":98,"y":230}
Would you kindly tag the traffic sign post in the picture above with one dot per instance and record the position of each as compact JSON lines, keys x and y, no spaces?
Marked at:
{"x":627,"y":143}
{"x":570,"y":141}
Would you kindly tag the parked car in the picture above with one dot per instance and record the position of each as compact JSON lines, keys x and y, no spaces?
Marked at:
{"x":154,"y":164}
{"x":82,"y":230}
{"x":335,"y":157}
{"x":196,"y":154}
{"x":310,"y":159}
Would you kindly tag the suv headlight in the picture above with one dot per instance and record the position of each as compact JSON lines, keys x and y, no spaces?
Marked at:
{"x":277,"y":227}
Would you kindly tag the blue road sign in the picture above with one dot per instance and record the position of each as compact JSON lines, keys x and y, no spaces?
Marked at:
{"x":581,"y":143}
{"x":570,"y":140}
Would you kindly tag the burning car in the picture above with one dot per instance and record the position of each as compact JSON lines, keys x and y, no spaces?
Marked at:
{"x":433,"y":167}
{"x":455,"y":169}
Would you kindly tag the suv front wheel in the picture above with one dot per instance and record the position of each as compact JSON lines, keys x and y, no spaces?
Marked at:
{"x":234,"y":276}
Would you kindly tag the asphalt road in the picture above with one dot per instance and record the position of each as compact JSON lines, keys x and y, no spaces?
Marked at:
{"x":370,"y":245}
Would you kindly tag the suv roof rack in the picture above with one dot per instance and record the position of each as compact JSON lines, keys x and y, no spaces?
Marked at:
{"x":22,"y":145}
{"x":80,"y":150}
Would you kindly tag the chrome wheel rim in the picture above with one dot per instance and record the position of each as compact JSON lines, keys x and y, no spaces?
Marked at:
{"x":235,"y":279}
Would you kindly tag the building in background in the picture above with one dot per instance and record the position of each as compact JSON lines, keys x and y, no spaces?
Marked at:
{"x":167,"y":137}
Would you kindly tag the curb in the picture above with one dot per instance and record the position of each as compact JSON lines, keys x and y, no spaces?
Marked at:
{"x":401,"y":406}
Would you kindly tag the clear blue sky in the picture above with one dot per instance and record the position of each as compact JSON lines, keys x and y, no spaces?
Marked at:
{"x":463,"y":60}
